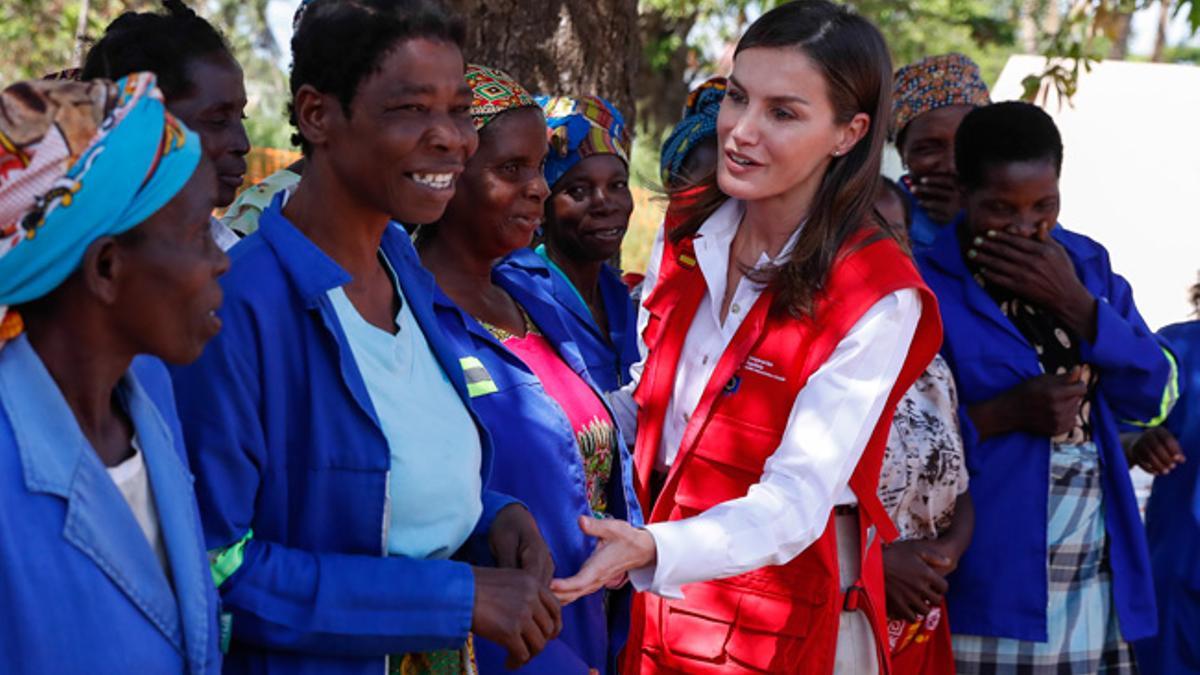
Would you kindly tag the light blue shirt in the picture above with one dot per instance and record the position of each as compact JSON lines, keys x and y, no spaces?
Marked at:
{"x":434,"y":482}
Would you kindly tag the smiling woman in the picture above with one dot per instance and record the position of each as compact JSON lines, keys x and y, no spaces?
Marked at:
{"x":781,"y":328}
{"x":531,"y":387}
{"x":587,"y":215}
{"x":341,"y":466}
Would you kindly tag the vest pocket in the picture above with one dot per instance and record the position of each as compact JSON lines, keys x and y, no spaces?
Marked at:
{"x":698,"y":626}
{"x":728,"y":459}
{"x":769,"y":632}
{"x":719,"y":624}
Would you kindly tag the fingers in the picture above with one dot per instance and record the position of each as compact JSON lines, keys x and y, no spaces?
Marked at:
{"x":518,"y":652}
{"x":600,"y":529}
{"x":1000,"y":241}
{"x":572,"y":588}
{"x":538,"y":562}
{"x":934,"y":559}
{"x":553,"y":610}
{"x":938,"y":585}
{"x":1157,"y":457}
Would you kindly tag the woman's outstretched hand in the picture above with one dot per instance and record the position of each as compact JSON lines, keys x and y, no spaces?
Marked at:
{"x":620,"y":548}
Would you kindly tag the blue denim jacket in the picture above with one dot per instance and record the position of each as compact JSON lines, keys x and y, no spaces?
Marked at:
{"x":292,"y":470}
{"x":81,"y":589}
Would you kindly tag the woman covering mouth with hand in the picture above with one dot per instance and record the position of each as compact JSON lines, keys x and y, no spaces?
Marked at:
{"x":557,"y":447}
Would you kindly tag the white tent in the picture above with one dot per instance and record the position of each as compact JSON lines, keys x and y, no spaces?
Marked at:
{"x":1131,"y":173}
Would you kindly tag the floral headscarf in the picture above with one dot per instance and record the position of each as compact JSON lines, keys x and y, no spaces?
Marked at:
{"x":579,"y":128}
{"x":79,"y":161}
{"x":935,"y":82}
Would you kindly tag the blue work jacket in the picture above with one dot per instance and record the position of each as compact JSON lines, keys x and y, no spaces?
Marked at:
{"x":537,"y":460}
{"x":1173,"y":526}
{"x":81,"y":588}
{"x":924,"y":230}
{"x":292,"y":470}
{"x":608,"y":356}
{"x":1000,"y":586}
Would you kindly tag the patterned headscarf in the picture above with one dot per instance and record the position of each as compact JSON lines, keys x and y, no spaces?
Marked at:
{"x":79,"y":161}
{"x":493,"y":92}
{"x":699,"y":122}
{"x":935,"y":82}
{"x":579,"y":128}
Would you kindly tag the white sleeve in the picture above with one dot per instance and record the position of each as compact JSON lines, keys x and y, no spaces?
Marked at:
{"x":621,"y":400}
{"x":826,"y":434}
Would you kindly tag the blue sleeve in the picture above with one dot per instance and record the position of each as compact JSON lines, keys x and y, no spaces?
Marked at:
{"x":288,"y":598}
{"x":1137,"y":372}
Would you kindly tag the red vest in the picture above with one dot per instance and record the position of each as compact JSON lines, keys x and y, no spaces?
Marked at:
{"x":778,"y":619}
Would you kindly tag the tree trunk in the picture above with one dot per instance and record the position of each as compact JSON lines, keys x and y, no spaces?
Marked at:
{"x":1160,"y":36}
{"x":1119,"y":32}
{"x":80,"y":32}
{"x":569,"y":47}
{"x":662,"y":86}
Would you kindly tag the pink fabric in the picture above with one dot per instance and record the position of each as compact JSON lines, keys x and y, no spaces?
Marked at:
{"x":595,"y":432}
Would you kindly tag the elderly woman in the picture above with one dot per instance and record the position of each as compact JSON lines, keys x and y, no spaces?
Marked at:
{"x":105,"y":254}
{"x":929,"y":101}
{"x":587,"y":214}
{"x":1048,"y":351}
{"x":341,"y":474}
{"x":201,"y":81}
{"x":557,"y":447}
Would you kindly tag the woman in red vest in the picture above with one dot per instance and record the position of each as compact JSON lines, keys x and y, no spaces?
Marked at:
{"x":782,"y":328}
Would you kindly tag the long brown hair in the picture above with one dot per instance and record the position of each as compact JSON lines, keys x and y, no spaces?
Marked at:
{"x":854,"y":60}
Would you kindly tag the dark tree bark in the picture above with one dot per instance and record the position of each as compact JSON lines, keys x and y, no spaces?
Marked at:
{"x":661,"y":86}
{"x":569,"y":47}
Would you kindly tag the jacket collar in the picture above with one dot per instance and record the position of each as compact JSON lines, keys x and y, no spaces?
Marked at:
{"x":57,"y":459}
{"x":568,"y":297}
{"x":945,"y":254}
{"x":519,"y":274}
{"x":514,"y":274}
{"x":312,"y":272}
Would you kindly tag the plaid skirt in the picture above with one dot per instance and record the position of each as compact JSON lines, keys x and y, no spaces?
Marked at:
{"x":1080,"y":619}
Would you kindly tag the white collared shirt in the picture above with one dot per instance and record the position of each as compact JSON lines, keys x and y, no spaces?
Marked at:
{"x":827,"y":431}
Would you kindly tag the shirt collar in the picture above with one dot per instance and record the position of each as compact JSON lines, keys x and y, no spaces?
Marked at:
{"x":312,"y":271}
{"x":48,"y":436}
{"x":721,"y":227}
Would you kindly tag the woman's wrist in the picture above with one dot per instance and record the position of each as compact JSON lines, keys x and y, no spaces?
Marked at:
{"x":646,"y":548}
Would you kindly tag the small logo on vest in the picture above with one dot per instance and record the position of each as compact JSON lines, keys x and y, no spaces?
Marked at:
{"x":763,"y":367}
{"x":733,"y":384}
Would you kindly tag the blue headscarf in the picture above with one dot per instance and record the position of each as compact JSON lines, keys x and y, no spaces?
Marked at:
{"x":579,"y":128}
{"x":699,"y":122}
{"x":80,"y":161}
